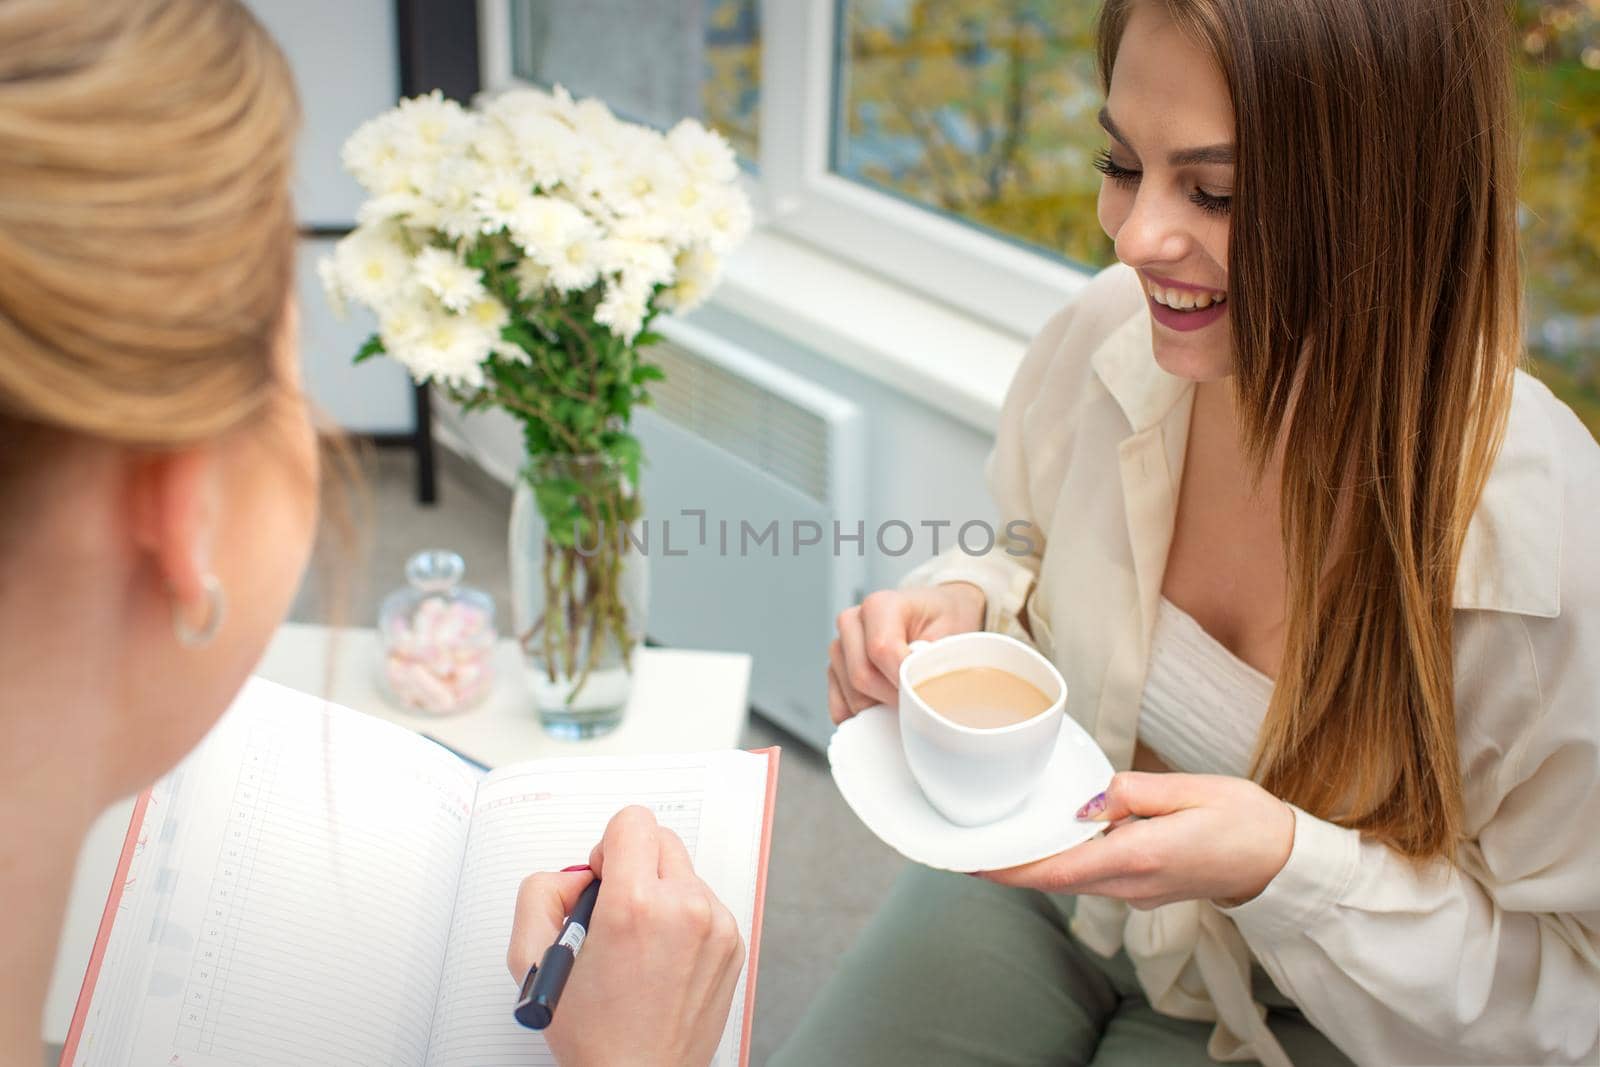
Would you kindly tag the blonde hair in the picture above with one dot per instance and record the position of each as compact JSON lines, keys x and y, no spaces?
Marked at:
{"x":1373,"y":259}
{"x":146,"y":228}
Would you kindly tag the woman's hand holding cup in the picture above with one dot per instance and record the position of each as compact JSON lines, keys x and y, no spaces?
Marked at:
{"x":875,"y":635}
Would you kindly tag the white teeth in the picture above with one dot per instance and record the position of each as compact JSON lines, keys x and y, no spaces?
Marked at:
{"x":1185,"y":299}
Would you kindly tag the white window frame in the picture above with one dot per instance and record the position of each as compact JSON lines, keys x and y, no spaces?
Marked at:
{"x":961,"y":265}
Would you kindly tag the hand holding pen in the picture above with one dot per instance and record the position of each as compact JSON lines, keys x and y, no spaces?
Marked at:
{"x":653,"y":976}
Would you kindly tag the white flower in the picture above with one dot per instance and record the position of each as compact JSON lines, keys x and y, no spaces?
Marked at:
{"x":688,"y":216}
{"x":442,"y":273}
{"x":435,"y":345}
{"x":546,"y":225}
{"x":656,"y":172}
{"x":332,"y":287}
{"x":496,"y":148}
{"x":578,"y":265}
{"x":450,"y":187}
{"x":696,"y":271}
{"x":532,"y":277}
{"x":400,"y":205}
{"x":513,"y":105}
{"x":623,"y":308}
{"x":726,"y":218}
{"x":372,"y":266}
{"x":501,"y":200}
{"x":640,"y":169}
{"x":706,"y":154}
{"x":431,"y":127}
{"x":399,"y":325}
{"x":488,"y":314}
{"x":584,"y":173}
{"x":594,"y":121}
{"x":646,"y":262}
{"x":373,"y":157}
{"x":491,"y":316}
{"x":544,"y":144}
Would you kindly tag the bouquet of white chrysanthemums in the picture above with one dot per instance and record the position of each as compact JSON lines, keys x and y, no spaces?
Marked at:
{"x":479,"y":217}
{"x":515,"y":254}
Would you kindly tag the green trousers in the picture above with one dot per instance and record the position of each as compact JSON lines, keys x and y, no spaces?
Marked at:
{"x":957,"y":970}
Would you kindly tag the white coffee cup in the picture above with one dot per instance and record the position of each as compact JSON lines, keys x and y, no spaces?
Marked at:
{"x":972,"y":775}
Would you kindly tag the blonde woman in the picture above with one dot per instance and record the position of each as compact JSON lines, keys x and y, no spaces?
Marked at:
{"x":159,"y":473}
{"x":1320,"y":566}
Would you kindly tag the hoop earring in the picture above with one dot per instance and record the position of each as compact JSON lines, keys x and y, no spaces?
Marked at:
{"x":190,"y":637}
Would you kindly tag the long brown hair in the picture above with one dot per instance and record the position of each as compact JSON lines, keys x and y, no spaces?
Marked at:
{"x":1374,"y":288}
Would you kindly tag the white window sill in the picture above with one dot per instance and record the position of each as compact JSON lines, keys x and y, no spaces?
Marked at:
{"x":925,"y":349}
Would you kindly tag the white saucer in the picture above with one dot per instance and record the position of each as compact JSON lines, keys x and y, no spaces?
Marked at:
{"x":870,"y":769}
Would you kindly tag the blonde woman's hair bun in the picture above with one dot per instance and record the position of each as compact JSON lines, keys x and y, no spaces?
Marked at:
{"x":146,"y":228}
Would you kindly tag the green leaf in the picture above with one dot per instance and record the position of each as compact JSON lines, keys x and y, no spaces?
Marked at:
{"x":519,"y":334}
{"x":625,"y":448}
{"x":648,"y":372}
{"x":372,"y":347}
{"x":555,"y":497}
{"x":535,"y":437}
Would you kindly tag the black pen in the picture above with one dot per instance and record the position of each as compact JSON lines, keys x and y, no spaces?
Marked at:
{"x":536,"y":1005}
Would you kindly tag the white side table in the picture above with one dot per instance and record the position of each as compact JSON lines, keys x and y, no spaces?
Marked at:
{"x":683,"y":701}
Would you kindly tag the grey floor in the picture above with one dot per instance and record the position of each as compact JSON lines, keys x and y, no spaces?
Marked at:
{"x":827,"y":872}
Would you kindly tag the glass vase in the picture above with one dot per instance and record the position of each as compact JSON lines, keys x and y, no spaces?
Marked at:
{"x":579,"y":589}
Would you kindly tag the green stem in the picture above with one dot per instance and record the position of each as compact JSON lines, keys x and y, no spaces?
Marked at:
{"x":549,"y":604}
{"x":585,"y":615}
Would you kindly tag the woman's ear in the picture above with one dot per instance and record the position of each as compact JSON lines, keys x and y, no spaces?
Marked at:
{"x":173,"y":502}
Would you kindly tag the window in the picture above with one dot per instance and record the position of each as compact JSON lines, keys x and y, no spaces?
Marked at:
{"x":983,"y":111}
{"x":652,"y":61}
{"x":946,"y":145}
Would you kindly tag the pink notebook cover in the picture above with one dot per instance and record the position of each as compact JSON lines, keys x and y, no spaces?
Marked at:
{"x":107,"y":919}
{"x":761,"y":901}
{"x":130,"y":843}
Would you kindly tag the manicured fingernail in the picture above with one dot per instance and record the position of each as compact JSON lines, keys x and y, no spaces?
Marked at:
{"x":1095,"y":807}
{"x":575,"y":867}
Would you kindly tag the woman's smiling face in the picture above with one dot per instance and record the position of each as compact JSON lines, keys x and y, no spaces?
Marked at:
{"x":1168,"y":179}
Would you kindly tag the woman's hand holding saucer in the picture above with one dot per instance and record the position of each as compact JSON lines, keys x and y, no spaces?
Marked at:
{"x":874,"y":636}
{"x":1173,"y":837}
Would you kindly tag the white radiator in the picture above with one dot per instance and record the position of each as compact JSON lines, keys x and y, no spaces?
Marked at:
{"x":773,"y":461}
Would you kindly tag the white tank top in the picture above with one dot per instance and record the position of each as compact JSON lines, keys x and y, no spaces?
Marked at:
{"x":1202,"y":705}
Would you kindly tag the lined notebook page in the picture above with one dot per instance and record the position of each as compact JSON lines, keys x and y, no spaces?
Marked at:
{"x":547,"y":815}
{"x":290,"y":898}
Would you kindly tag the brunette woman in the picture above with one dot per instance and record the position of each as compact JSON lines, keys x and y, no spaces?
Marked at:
{"x":1320,"y":567}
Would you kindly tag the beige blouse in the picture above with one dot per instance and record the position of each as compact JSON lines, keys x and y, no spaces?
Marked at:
{"x":1495,"y":959}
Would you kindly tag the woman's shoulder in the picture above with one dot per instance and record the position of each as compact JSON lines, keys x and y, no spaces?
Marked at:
{"x":1527,"y":548}
{"x":1527,"y":662}
{"x":1565,"y":496}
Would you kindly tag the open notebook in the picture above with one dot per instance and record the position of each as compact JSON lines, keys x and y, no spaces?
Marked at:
{"x":316,"y":886}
